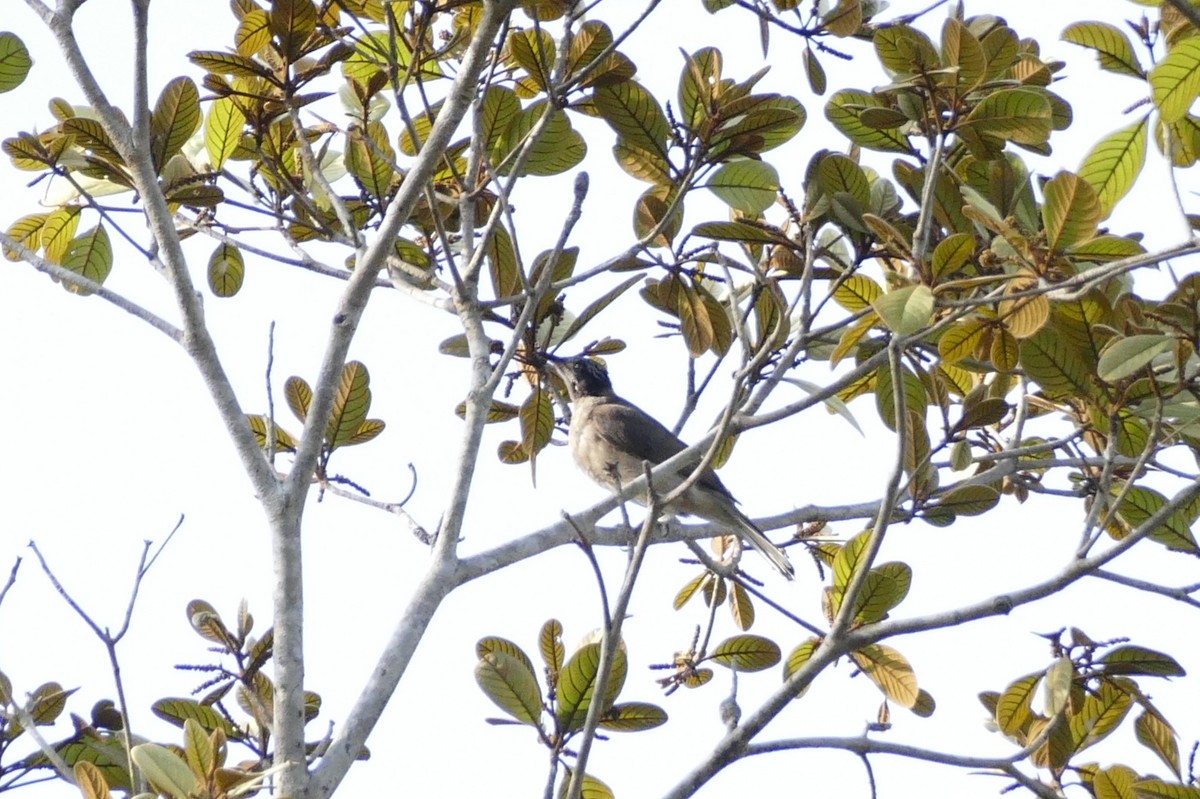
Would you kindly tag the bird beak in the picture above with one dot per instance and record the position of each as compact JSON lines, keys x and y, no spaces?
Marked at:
{"x":558,"y":368}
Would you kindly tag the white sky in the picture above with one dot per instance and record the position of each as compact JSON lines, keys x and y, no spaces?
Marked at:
{"x":110,"y":438}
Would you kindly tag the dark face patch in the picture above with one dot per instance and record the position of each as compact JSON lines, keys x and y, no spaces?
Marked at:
{"x":590,"y":377}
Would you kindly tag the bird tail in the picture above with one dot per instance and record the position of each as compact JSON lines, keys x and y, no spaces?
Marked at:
{"x":777,"y":557}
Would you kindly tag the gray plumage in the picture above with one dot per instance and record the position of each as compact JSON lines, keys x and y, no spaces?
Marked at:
{"x":610,"y":437}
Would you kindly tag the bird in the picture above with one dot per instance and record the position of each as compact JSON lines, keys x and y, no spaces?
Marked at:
{"x":610,"y":438}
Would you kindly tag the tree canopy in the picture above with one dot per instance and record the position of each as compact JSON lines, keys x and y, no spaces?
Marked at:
{"x":877,"y":230}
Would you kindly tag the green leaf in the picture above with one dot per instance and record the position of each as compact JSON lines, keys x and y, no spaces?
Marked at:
{"x":91,"y":256}
{"x":537,"y":420}
{"x":886,"y":587}
{"x":226,"y":270}
{"x":848,"y":558}
{"x":498,"y":111}
{"x":58,"y":232}
{"x":839,"y":174}
{"x":369,"y":157}
{"x":1111,"y":44}
{"x":1138,"y":660}
{"x":904,"y":50}
{"x":845,"y":109}
{"x":511,"y":685}
{"x":1160,"y":789}
{"x":747,"y":653}
{"x":1154,"y":733}
{"x":1115,"y":782}
{"x":560,"y":147}
{"x":1140,"y":503}
{"x":1013,"y":709}
{"x":743,"y":232}
{"x":175,"y":118}
{"x":1071,"y":211}
{"x":494,"y":643}
{"x":181,"y":710}
{"x":292,"y":21}
{"x":905,"y":310}
{"x":15,"y":62}
{"x":165,"y":770}
{"x":969,"y":500}
{"x":577,"y":681}
{"x":551,"y":646}
{"x":26,"y":231}
{"x":634,"y":113}
{"x":1023,"y":116}
{"x":951,"y":254}
{"x":253,"y":33}
{"x":1049,"y":360}
{"x":746,"y":186}
{"x":198,"y":748}
{"x":633,"y":717}
{"x":502,"y":264}
{"x":1175,"y":82}
{"x":299,"y":396}
{"x":350,"y":405}
{"x":700,"y":77}
{"x":590,"y":787}
{"x":1114,"y":164}
{"x":1126,"y":356}
{"x":223,"y":130}
{"x":799,"y":656}
{"x":533,"y":50}
{"x":284,"y":441}
{"x":1103,"y":710}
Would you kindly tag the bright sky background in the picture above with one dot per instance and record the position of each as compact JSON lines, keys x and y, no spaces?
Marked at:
{"x":111,"y":437}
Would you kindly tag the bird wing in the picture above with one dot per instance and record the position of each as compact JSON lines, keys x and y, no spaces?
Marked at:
{"x":631,"y":430}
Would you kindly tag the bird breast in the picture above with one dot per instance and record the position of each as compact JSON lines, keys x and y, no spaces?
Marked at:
{"x":596,"y":455}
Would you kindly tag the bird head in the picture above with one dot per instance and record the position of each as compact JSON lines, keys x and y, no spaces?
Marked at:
{"x":583,"y":377}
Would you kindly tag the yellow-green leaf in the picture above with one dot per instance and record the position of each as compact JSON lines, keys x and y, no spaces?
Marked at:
{"x":175,"y":118}
{"x":799,"y":656}
{"x":1071,"y":211}
{"x":1112,"y":46}
{"x":1023,"y":116}
{"x":283,"y":440}
{"x":90,"y":255}
{"x":15,"y":62}
{"x":905,"y":310}
{"x":633,"y":717}
{"x":1138,"y":660}
{"x":856,"y":293}
{"x":179,"y":711}
{"x":1114,"y":164}
{"x":551,"y":646}
{"x":747,"y":653}
{"x":350,"y":404}
{"x":969,"y":500}
{"x":1014,"y":708}
{"x":226,"y":270}
{"x":164,"y":770}
{"x":578,"y":679}
{"x":1175,"y":82}
{"x":299,"y":396}
{"x":1155,"y":734}
{"x":58,"y":232}
{"x":636,"y":116}
{"x":223,"y":130}
{"x":253,"y":32}
{"x":746,"y":186}
{"x":510,"y":683}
